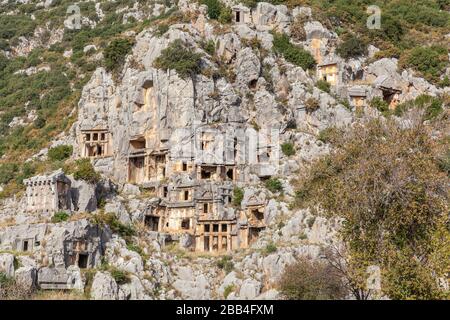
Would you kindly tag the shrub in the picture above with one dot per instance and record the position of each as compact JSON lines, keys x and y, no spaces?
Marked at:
{"x":125,"y":231}
{"x":444,"y":163}
{"x":209,"y":47}
{"x":401,"y":163}
{"x":327,"y":135}
{"x":39,"y":122}
{"x":228,"y":289}
{"x":298,"y":32}
{"x":288,"y":149}
{"x":292,"y":53}
{"x":14,"y":26}
{"x":4,"y":279}
{"x":380,"y":105}
{"x":420,"y":12}
{"x":433,"y":109}
{"x":391,"y":29}
{"x":83,"y":170}
{"x":214,"y":8}
{"x":310,"y":221}
{"x":431,"y":105}
{"x":176,"y":56}
{"x":60,"y":217}
{"x":11,"y":290}
{"x":116,"y":52}
{"x":3,"y":62}
{"x":351,"y":47}
{"x":269,"y":248}
{"x":311,"y":105}
{"x":28,"y":170}
{"x":119,"y":276}
{"x":445,"y":82}
{"x":225,"y":264}
{"x":161,"y":29}
{"x":7,"y":172}
{"x":238,"y":195}
{"x":429,"y":61}
{"x":135,"y":248}
{"x":323,"y":85}
{"x":225,"y":15}
{"x":60,"y":152}
{"x":274,"y":185}
{"x":311,"y":280}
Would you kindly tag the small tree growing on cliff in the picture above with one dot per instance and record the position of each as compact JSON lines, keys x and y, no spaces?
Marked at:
{"x":180,"y":58}
{"x":292,"y":53}
{"x":116,"y":52}
{"x":82,"y":169}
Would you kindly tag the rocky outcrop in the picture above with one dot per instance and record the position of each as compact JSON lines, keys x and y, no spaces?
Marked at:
{"x":83,"y":196}
{"x":142,"y":113}
{"x":26,"y":277}
{"x":7,"y":264}
{"x":104,"y":287}
{"x":190,"y":285}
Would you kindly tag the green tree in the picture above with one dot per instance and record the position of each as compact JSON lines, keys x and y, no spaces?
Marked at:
{"x":60,"y":152}
{"x":214,"y":8}
{"x":351,"y":47}
{"x":178,"y":57}
{"x":116,"y":52}
{"x":225,"y":15}
{"x":292,"y":53}
{"x":311,"y":280}
{"x":387,"y":184}
{"x":83,"y":169}
{"x":429,"y":61}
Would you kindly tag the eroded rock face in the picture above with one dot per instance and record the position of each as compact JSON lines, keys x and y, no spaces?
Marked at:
{"x":247,"y":67}
{"x":145,"y":109}
{"x":250,"y":289}
{"x":83,"y":196}
{"x":126,"y":260}
{"x":191,"y":285}
{"x":134,"y":290}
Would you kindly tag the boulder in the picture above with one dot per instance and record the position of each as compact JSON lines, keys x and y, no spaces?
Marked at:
{"x":230,"y":279}
{"x":75,"y":280}
{"x":83,"y":196}
{"x":26,"y":277}
{"x":250,"y":289}
{"x":191,"y":285}
{"x":273,"y":264}
{"x":134,"y":290}
{"x":7,"y":264}
{"x":104,"y":287}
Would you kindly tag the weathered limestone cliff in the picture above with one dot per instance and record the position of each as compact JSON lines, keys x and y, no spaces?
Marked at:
{"x":174,"y":153}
